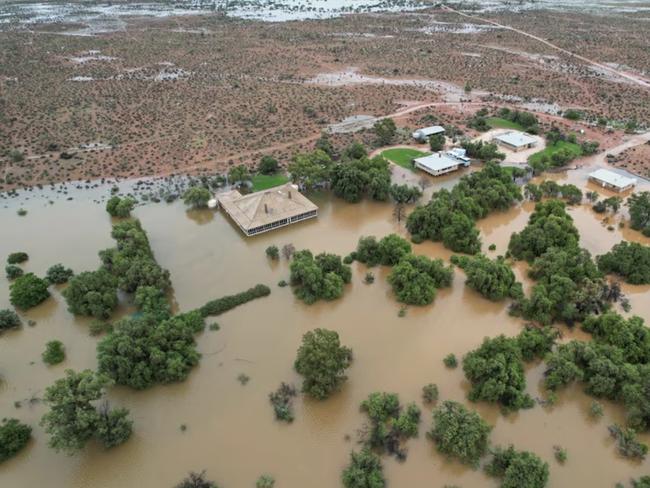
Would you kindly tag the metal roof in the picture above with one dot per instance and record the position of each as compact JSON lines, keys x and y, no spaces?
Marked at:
{"x":516,"y":139}
{"x":429,"y":131}
{"x":438,"y":161}
{"x":612,"y":178}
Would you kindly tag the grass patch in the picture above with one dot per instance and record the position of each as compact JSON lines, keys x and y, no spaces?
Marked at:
{"x":264,"y":182}
{"x":499,"y":123}
{"x":403,"y":156}
{"x":575,"y":149}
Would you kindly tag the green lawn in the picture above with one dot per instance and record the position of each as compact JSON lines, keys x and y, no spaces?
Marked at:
{"x":403,"y":156}
{"x":264,"y":182}
{"x":575,"y":149}
{"x":499,"y":123}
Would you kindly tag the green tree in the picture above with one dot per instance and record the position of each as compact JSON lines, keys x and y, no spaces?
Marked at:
{"x":437,"y":142}
{"x":385,"y":131}
{"x":518,"y":469}
{"x":322,"y":362}
{"x":415,"y":279}
{"x":12,"y":271}
{"x":461,"y":235}
{"x":494,"y":280}
{"x":54,"y":353}
{"x":364,"y":471}
{"x":27,"y":291}
{"x":460,"y":433}
{"x":404,"y":193}
{"x":238,"y":175}
{"x":630,"y":260}
{"x":113,"y":426}
{"x":639,"y":205}
{"x":120,"y":207}
{"x":17,"y":257}
{"x":310,"y":169}
{"x":268,"y":165}
{"x":318,"y":278}
{"x":392,"y":248}
{"x":197,"y":197}
{"x":14,"y":436}
{"x":8,"y":320}
{"x":92,"y":293}
{"x":58,"y":274}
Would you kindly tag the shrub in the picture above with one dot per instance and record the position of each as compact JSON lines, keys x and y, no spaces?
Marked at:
{"x":28,"y":291}
{"x":450,"y":360}
{"x":272,"y":252}
{"x":196,"y":480}
{"x":12,"y":271}
{"x":268,"y":165}
{"x":54,"y":353}
{"x":628,"y":444}
{"x":113,"y":426}
{"x":92,"y":293}
{"x":120,"y":207}
{"x":223,"y":304}
{"x":265,"y":481}
{"x":197,"y":197}
{"x":560,"y":454}
{"x":364,"y":471}
{"x":14,"y":436}
{"x":8,"y":320}
{"x":518,"y":469}
{"x":430,"y":393}
{"x":460,"y":433}
{"x":639,"y":205}
{"x":282,"y":401}
{"x":322,"y":362}
{"x":17,"y":257}
{"x":385,"y":131}
{"x":492,"y":279}
{"x":596,"y":409}
{"x":58,"y":274}
{"x":630,"y":260}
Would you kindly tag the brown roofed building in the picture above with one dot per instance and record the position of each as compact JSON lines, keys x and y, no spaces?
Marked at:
{"x":267,"y":210}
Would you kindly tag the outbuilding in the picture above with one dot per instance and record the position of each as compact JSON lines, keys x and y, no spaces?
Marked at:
{"x":515,"y":140}
{"x":611,"y":180}
{"x":423,"y":134}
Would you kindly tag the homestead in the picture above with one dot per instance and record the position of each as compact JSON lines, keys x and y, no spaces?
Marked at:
{"x":263,"y":211}
{"x":611,"y":180}
{"x":423,"y":134}
{"x":515,"y":141}
{"x":442,"y":162}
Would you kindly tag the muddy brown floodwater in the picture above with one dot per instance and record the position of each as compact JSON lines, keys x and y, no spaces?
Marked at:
{"x":231,"y":431}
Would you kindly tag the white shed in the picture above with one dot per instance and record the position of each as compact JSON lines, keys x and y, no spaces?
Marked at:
{"x":424,"y":133}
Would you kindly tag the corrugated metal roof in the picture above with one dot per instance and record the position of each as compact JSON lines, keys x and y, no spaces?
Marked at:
{"x":516,"y":139}
{"x":612,"y":178}
{"x":438,"y":161}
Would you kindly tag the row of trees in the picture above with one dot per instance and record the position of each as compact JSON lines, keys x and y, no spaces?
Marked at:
{"x":551,"y":189}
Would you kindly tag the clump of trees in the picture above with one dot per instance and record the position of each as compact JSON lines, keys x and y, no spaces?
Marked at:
{"x":628,"y":445}
{"x":517,"y":469}
{"x":54,"y":353}
{"x":388,"y":251}
{"x":354,"y":179}
{"x":494,"y":279}
{"x":238,"y":175}
{"x":385,"y":130}
{"x":322,"y":277}
{"x":485,"y":151}
{"x":282,"y":401}
{"x":390,"y":424}
{"x":460,"y":433}
{"x":403,"y":194}
{"x":27,"y":291}
{"x":322,"y":362}
{"x":364,"y":471}
{"x":120,"y":207}
{"x":639,"y":205}
{"x":17,"y":257}
{"x":228,"y":302}
{"x":73,"y":418}
{"x":527,"y":120}
{"x":450,"y":215}
{"x":614,"y":365}
{"x":551,"y":189}
{"x":58,"y":274}
{"x":12,"y":271}
{"x":92,"y":293}
{"x":415,"y":279}
{"x":268,"y":165}
{"x":8,"y":320}
{"x":548,"y":226}
{"x":14,"y":436}
{"x":310,"y":170}
{"x":197,"y":197}
{"x":630,"y":260}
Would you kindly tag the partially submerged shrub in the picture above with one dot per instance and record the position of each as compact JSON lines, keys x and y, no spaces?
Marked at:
{"x":14,"y":436}
{"x":54,"y":353}
{"x":28,"y":291}
{"x":282,"y":401}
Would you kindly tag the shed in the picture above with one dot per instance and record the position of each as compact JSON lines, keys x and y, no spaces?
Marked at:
{"x":424,"y":133}
{"x":611,"y":180}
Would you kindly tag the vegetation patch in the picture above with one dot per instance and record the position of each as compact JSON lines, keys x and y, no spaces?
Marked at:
{"x":630,"y":260}
{"x":27,"y":291}
{"x":264,"y":182}
{"x":14,"y":436}
{"x":517,"y":469}
{"x":415,"y":279}
{"x":322,"y":277}
{"x":494,"y":279}
{"x":223,"y":304}
{"x":403,"y":156}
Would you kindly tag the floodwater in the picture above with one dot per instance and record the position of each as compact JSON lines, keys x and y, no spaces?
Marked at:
{"x":231,"y":431}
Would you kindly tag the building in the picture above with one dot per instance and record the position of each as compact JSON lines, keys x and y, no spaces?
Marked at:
{"x":611,"y":180}
{"x":423,"y":134}
{"x":515,"y":141}
{"x":442,"y":162}
{"x":266,"y":210}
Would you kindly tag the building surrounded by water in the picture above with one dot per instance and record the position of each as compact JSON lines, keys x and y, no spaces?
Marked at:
{"x":442,"y":162}
{"x":266,"y":210}
{"x":515,"y":140}
{"x":611,"y":180}
{"x":423,"y":134}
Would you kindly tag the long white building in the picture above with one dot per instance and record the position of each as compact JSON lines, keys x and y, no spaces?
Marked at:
{"x":442,"y":162}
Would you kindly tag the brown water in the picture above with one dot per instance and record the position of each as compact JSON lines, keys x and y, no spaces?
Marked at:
{"x":230,"y":428}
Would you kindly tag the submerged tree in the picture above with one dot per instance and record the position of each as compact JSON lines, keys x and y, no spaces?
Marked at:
{"x":364,"y":471}
{"x":518,"y":469}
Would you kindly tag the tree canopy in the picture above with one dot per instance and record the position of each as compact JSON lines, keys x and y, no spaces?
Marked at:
{"x":388,"y":251}
{"x":322,"y":362}
{"x":385,"y":130}
{"x":120,"y":207}
{"x":197,"y":197}
{"x":92,"y":293}
{"x":494,"y":279}
{"x":58,"y":274}
{"x":414,"y":279}
{"x":518,"y":469}
{"x":14,"y":436}
{"x":364,"y":471}
{"x":639,"y":205}
{"x":354,"y":179}
{"x":27,"y":291}
{"x":268,"y":165}
{"x":318,"y":278}
{"x":310,"y":169}
{"x":629,"y":260}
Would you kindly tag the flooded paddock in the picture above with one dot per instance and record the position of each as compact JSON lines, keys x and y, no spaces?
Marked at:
{"x":231,"y":431}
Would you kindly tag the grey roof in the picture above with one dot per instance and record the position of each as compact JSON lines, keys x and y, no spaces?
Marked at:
{"x":438,"y":161}
{"x":516,"y":139}
{"x":612,"y":178}
{"x":429,"y":131}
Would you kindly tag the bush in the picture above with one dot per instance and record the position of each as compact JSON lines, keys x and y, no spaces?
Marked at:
{"x":518,"y":469}
{"x":385,"y":131}
{"x":12,"y":271}
{"x":272,"y":252}
{"x":282,"y":401}
{"x":415,"y":279}
{"x":113,"y":426}
{"x":223,"y":304}
{"x":403,"y":194}
{"x":54,"y":353}
{"x":268,"y":165}
{"x":8,"y":320}
{"x":17,"y":257}
{"x":460,"y":433}
{"x":197,"y":197}
{"x":265,"y":481}
{"x":630,"y":260}
{"x":58,"y":274}
{"x":322,"y":362}
{"x":196,"y":480}
{"x":92,"y":293}
{"x":639,"y":205}
{"x":14,"y":436}
{"x":28,"y":291}
{"x":364,"y":471}
{"x":628,"y":444}
{"x":450,"y":361}
{"x":430,"y":393}
{"x":492,"y":279}
{"x":120,"y":207}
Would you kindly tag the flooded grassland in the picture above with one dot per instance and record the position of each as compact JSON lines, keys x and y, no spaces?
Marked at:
{"x":230,"y":427}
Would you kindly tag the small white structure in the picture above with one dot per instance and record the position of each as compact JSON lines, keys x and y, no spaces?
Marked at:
{"x":611,"y":180}
{"x":423,"y":134}
{"x":515,"y":140}
{"x":440,"y":163}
